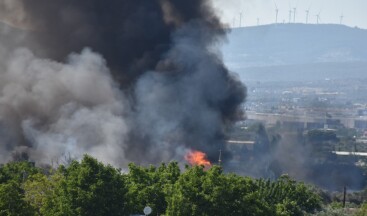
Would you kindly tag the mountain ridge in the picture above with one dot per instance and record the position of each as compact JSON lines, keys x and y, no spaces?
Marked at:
{"x":290,"y":45}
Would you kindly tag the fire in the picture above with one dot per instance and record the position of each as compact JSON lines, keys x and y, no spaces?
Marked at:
{"x":197,"y":158}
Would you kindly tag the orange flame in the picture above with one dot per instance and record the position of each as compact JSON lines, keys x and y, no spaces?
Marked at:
{"x":197,"y":158}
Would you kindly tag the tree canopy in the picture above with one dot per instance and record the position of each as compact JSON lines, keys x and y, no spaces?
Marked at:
{"x":89,"y":187}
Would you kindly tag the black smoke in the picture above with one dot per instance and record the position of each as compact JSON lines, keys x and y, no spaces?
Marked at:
{"x":148,"y":85}
{"x":132,"y":35}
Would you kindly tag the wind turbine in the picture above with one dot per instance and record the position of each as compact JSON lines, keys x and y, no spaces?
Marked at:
{"x":318,"y":18}
{"x":240,"y":20}
{"x":307,"y":14}
{"x":290,"y":16}
{"x":276,"y":12}
{"x":341,"y":19}
{"x":295,"y":11}
{"x":290,"y":12}
{"x":294,"y":15}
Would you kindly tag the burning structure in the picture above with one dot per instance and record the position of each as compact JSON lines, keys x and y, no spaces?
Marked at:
{"x":130,"y":80}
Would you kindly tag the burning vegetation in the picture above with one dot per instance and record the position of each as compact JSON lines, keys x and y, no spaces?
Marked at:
{"x":197,"y":158}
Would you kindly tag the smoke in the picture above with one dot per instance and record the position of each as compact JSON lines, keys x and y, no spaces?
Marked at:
{"x":132,"y":35}
{"x":131,"y":80}
{"x":54,"y":108}
{"x":289,"y":151}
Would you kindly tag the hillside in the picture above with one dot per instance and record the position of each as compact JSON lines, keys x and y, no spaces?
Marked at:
{"x":297,"y":48}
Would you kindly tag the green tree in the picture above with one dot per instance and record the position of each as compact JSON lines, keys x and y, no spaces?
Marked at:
{"x":288,"y":208}
{"x":92,"y":188}
{"x":17,"y":171}
{"x":151,"y":186}
{"x":12,"y":201}
{"x":89,"y":188}
{"x":288,"y":196}
{"x":40,"y":191}
{"x":199,"y":192}
{"x":362,"y":211}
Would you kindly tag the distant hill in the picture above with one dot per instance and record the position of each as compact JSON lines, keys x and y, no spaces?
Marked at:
{"x":290,"y":49}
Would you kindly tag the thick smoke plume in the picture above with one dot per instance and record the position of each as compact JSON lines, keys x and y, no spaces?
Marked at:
{"x":130,"y":80}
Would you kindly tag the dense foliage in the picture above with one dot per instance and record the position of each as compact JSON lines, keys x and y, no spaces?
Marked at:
{"x":89,"y":188}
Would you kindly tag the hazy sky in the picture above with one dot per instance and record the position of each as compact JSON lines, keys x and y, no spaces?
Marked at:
{"x":354,"y":11}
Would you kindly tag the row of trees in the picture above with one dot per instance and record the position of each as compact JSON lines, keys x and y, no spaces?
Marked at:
{"x":91,"y":188}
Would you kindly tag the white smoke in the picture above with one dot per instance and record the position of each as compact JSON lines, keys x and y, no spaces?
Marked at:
{"x":61,"y":108}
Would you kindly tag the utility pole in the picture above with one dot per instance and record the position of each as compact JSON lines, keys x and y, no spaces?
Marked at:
{"x":344,"y":196}
{"x":220,"y":157}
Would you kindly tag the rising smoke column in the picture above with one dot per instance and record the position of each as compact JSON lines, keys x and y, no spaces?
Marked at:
{"x":151,"y":85}
{"x":132,"y":35}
